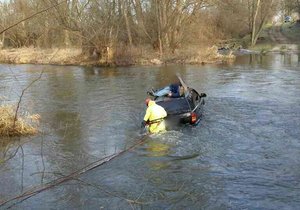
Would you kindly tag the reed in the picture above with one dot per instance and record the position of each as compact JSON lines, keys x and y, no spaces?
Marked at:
{"x":24,"y":125}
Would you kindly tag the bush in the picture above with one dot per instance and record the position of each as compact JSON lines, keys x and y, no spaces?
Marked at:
{"x":23,"y":126}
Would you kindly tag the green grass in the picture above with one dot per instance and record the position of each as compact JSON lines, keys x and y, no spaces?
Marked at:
{"x":265,"y":44}
{"x":291,"y":31}
{"x":262,"y":47}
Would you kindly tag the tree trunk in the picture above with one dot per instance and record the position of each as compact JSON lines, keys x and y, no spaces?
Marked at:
{"x":45,"y":37}
{"x":87,"y":49}
{"x":257,"y":34}
{"x":250,"y":9}
{"x":254,"y":19}
{"x":265,"y":7}
{"x":67,"y":41}
{"x":2,"y":41}
{"x":175,"y":28}
{"x":140,"y":19}
{"x":298,"y":9}
{"x":109,"y":57}
{"x":159,"y":28}
{"x":125,"y":15}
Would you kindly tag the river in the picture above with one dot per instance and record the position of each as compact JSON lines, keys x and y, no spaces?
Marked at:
{"x":244,"y":154}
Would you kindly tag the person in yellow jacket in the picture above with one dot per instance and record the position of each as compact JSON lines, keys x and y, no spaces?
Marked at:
{"x":154,"y":117}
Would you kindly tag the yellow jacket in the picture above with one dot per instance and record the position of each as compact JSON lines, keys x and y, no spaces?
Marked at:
{"x":155,"y":112}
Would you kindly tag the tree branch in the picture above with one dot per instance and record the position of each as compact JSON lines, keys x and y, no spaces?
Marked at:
{"x":20,"y":99}
{"x":31,"y":16}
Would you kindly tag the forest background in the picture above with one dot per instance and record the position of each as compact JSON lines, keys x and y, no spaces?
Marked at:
{"x":129,"y":32}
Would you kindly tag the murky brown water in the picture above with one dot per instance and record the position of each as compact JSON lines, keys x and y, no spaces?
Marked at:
{"x":243,"y":155}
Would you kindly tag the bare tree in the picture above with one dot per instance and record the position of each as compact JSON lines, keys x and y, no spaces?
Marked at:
{"x":126,"y":12}
{"x":261,"y":13}
{"x":101,"y":27}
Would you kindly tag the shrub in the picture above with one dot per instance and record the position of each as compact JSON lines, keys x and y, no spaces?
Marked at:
{"x":23,"y":126}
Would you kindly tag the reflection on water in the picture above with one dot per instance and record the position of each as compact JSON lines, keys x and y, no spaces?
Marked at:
{"x":242,"y":155}
{"x":157,"y":149}
{"x":288,"y":60}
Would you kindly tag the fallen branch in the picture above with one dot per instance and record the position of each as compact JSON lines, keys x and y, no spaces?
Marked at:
{"x":36,"y":190}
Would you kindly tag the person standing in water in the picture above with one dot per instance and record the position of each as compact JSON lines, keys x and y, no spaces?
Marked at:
{"x":154,"y":117}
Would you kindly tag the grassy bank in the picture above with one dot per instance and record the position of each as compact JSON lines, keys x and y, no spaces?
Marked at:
{"x":279,"y":38}
{"x":292,"y":31}
{"x":120,"y":58}
{"x":22,"y":126}
{"x":39,"y":56}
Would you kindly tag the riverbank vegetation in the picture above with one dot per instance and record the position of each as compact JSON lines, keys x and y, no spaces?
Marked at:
{"x":292,"y":31}
{"x":123,"y":32}
{"x":20,"y":126}
{"x":281,"y":38}
{"x":13,"y":122}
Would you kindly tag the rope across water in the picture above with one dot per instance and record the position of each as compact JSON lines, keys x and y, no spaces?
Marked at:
{"x":36,"y":190}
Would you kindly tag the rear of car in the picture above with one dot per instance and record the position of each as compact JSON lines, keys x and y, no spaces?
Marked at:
{"x":187,"y":109}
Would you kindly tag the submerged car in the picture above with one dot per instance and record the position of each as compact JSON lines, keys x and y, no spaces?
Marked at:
{"x":186,"y":109}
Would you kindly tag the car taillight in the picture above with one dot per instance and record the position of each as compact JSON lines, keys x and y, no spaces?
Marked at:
{"x":193,"y":117}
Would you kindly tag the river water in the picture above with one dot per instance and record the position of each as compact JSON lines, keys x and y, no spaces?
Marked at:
{"x":244,"y":154}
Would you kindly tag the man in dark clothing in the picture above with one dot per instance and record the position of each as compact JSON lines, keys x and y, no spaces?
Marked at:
{"x":174,"y":90}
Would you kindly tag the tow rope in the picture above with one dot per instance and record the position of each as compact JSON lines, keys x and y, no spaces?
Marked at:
{"x":36,"y":190}
{"x":155,"y":121}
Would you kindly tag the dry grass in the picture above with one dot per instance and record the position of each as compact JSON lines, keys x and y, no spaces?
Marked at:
{"x":25,"y":125}
{"x":39,"y":56}
{"x":200,"y":55}
{"x":122,"y":56}
{"x":211,"y":55}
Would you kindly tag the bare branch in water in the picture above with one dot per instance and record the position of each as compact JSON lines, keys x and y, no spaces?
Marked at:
{"x":22,"y":94}
{"x":22,"y":170}
{"x":36,"y":190}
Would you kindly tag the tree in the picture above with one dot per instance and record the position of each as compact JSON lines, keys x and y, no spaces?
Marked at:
{"x":291,"y":6}
{"x":103,"y":27}
{"x":260,"y":12}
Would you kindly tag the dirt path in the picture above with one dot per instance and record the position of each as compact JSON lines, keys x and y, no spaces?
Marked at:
{"x":281,"y":42}
{"x":277,"y":36}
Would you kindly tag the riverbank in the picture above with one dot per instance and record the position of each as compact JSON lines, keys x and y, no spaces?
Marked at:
{"x":280,"y":38}
{"x":277,"y":38}
{"x":73,"y":56}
